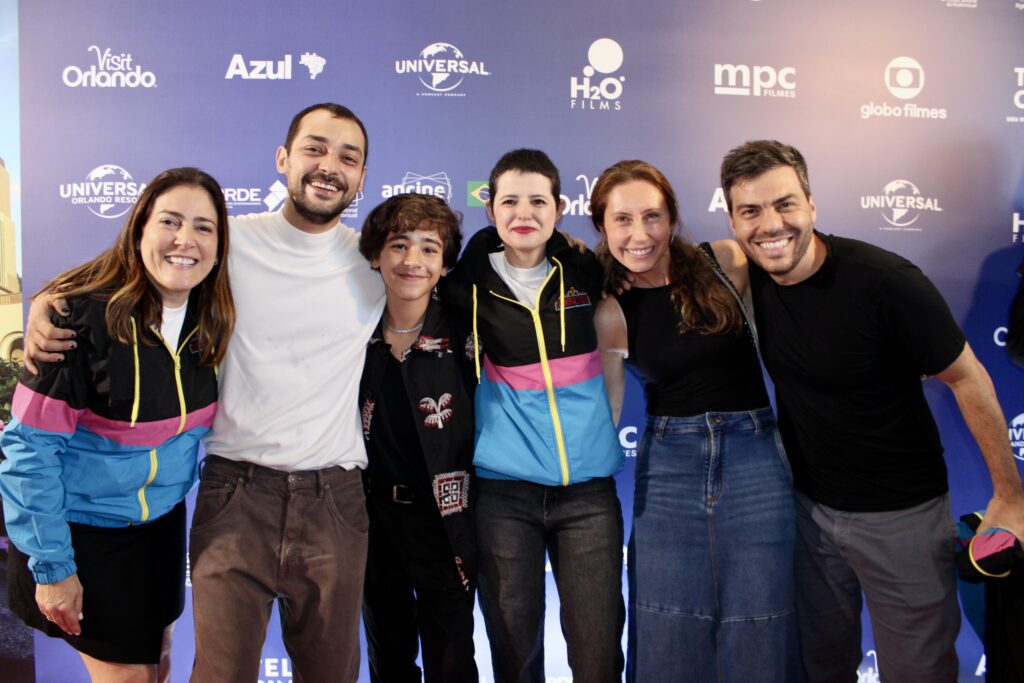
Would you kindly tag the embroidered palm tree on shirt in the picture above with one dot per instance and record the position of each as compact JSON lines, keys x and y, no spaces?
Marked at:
{"x":438,"y":410}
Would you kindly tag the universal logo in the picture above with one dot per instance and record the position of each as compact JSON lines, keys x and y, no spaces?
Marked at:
{"x":438,"y":185}
{"x":270,"y":70}
{"x":599,"y":92}
{"x":755,"y":81}
{"x":441,"y":68}
{"x":901,"y":204}
{"x":111,"y":70}
{"x":904,"y":79}
{"x":1018,"y":95}
{"x":108,"y":191}
{"x":1017,"y":436}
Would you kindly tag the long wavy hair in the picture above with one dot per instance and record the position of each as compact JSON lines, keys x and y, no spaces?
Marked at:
{"x":118,"y":275}
{"x":705,"y":305}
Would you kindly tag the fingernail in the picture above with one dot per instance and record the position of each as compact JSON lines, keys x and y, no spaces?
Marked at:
{"x":60,"y":359}
{"x":65,"y":311}
{"x":73,"y":333}
{"x":74,"y":345}
{"x":81,"y":616}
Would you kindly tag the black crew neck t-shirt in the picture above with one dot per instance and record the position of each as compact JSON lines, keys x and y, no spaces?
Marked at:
{"x":846,"y":349}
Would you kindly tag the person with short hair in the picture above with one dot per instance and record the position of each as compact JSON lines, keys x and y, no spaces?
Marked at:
{"x":416,"y":405}
{"x":546,"y":449}
{"x":847,"y":331}
{"x":102,"y":446}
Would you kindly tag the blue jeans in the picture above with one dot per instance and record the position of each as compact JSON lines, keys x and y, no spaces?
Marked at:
{"x":580,"y":527}
{"x":711,"y":552}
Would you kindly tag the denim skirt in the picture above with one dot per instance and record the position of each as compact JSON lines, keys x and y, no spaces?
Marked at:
{"x":711,"y":589}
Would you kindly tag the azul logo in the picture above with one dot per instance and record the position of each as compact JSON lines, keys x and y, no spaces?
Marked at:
{"x":596,"y":92}
{"x":1018,"y":95}
{"x":1017,"y":436}
{"x":441,"y":68}
{"x":268,"y":69}
{"x":1018,"y":225}
{"x":438,"y":185}
{"x":757,"y":81}
{"x":904,"y":79}
{"x":108,"y":191}
{"x":901,"y":204}
{"x":580,"y":206}
{"x":477,"y":193}
{"x":110,"y":71}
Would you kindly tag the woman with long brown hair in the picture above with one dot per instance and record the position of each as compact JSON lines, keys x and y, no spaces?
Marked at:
{"x":102,"y":446}
{"x":710,"y":553}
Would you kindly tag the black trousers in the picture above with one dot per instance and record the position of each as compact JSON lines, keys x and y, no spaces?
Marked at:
{"x":413,"y":595}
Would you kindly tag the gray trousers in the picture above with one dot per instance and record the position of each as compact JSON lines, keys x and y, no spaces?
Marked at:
{"x":260,"y":535}
{"x":902,"y":560}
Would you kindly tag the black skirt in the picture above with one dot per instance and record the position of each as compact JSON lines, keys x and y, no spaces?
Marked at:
{"x":133,"y":587}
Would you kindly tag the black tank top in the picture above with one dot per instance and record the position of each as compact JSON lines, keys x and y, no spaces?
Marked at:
{"x":692,"y":373}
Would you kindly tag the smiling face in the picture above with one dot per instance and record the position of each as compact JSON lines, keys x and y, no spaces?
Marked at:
{"x":324,"y":168}
{"x":179,"y":242}
{"x":638,"y":230}
{"x":525,"y":210}
{"x":773,"y":222}
{"x":410,"y":263}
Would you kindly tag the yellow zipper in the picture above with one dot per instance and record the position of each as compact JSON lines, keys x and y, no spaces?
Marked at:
{"x":546,"y":368}
{"x":149,"y":480}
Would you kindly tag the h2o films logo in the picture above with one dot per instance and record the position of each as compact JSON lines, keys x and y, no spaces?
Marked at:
{"x":901,"y":204}
{"x":755,"y":81}
{"x":599,"y":88}
{"x":108,"y":191}
{"x":441,"y":68}
{"x":111,"y":70}
{"x":904,"y":78}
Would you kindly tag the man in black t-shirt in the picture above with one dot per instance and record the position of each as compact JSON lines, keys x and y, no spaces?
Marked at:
{"x":847,"y":331}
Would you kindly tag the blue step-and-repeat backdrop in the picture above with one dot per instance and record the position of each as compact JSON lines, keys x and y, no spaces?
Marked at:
{"x":911,"y":115}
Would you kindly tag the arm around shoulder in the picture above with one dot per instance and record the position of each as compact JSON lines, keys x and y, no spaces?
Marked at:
{"x":734,"y":263}
{"x":613,"y":343}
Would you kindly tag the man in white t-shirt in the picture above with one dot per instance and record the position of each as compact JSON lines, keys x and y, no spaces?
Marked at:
{"x":280,"y":512}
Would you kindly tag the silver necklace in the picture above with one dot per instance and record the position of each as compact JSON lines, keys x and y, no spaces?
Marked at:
{"x":399,"y":330}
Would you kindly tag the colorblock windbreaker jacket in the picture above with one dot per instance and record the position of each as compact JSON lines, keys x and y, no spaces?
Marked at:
{"x":107,"y":437}
{"x":542,"y":411}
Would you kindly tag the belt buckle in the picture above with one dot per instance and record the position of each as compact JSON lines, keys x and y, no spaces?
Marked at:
{"x":401,"y":494}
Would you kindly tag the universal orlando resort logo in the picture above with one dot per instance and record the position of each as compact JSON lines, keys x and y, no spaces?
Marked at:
{"x":111,"y":70}
{"x":108,"y":191}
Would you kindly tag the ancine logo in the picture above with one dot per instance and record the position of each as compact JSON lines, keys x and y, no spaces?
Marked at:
{"x":111,"y":70}
{"x":108,"y":191}
{"x":269,"y":69}
{"x":441,"y":68}
{"x":604,"y":57}
{"x":901,"y":204}
{"x":437,"y":184}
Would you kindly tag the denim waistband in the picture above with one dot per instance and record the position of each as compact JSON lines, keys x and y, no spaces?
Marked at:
{"x":750,"y":420}
{"x":248,"y":473}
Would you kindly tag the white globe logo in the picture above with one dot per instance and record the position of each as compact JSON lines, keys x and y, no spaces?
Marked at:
{"x":605,"y":56}
{"x":107,"y":206}
{"x":904,"y":77}
{"x":898,"y":216}
{"x":441,"y":81}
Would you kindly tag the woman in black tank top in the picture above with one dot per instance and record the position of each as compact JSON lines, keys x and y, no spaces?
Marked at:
{"x":710,"y":551}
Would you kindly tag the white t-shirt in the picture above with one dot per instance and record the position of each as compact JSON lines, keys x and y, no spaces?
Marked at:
{"x":171,"y":320}
{"x":524,"y":282}
{"x":306,"y":306}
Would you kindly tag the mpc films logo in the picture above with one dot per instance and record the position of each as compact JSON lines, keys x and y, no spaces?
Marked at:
{"x":271,"y":70}
{"x":755,"y":81}
{"x":904,"y":78}
{"x":111,"y":70}
{"x":1018,"y":96}
{"x":441,"y":68}
{"x":438,"y":185}
{"x":901,"y":204}
{"x":1017,"y":436}
{"x":477,"y":193}
{"x":599,"y":88}
{"x":108,"y":191}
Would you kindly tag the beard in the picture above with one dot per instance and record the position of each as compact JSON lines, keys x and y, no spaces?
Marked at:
{"x":315,"y":213}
